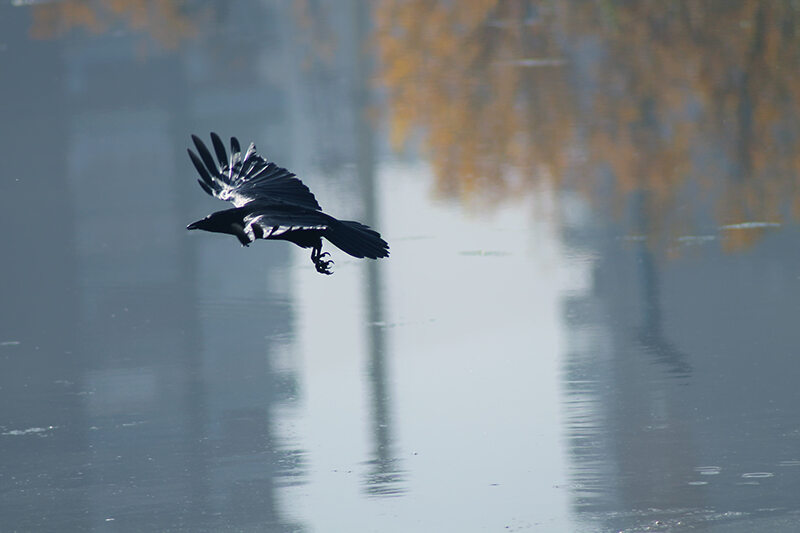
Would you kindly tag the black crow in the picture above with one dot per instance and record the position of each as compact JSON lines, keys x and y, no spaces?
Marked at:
{"x":272,"y":203}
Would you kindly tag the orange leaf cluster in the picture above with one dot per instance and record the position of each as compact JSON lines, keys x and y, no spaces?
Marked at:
{"x":165,"y":20}
{"x":664,"y":98}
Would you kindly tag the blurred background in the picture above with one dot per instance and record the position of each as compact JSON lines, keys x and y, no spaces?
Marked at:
{"x":587,"y":322}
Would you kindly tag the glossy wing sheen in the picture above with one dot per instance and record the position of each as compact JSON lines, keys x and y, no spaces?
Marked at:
{"x":271,"y":222}
{"x":246,"y":178}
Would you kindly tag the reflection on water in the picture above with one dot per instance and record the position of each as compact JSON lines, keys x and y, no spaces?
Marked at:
{"x":681,"y":100}
{"x":678,"y":123}
{"x":159,"y":404}
{"x":172,"y":408}
{"x":651,"y":335}
{"x":666,"y":375}
{"x":607,"y":365}
{"x":384,"y":476}
{"x":678,"y":384}
{"x":169,"y":22}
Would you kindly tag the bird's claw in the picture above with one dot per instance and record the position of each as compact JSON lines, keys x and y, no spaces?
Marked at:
{"x":324,"y":267}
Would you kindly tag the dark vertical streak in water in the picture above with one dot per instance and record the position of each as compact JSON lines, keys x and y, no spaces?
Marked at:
{"x":195,"y":393}
{"x":651,"y":334}
{"x":383,"y":477}
{"x":747,"y":83}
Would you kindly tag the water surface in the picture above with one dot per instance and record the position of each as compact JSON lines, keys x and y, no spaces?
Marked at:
{"x":587,"y":322}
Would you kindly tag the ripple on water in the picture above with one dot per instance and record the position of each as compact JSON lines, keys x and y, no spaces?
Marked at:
{"x":29,"y":431}
{"x":757,"y":475}
{"x":752,"y":225}
{"x":693,"y":240}
{"x":707,"y":470}
{"x":485,"y":253}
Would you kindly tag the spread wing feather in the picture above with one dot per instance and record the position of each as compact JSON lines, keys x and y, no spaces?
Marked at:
{"x":219,"y":149}
{"x":243,"y":179}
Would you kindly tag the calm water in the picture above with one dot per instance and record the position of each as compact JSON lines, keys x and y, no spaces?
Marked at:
{"x":588,"y":321}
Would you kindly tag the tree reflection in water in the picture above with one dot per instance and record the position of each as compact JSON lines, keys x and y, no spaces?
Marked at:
{"x":690,"y":101}
{"x":694,"y":102}
{"x":678,"y":117}
{"x":167,"y":21}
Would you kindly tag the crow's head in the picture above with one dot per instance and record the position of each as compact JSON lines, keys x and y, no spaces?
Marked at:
{"x":206,"y":224}
{"x":230,"y":221}
{"x":219,"y":222}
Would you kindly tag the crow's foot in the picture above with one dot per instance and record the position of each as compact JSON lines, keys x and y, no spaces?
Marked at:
{"x":323,"y":267}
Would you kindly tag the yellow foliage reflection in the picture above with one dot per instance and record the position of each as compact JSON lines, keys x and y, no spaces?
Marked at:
{"x":165,"y":20}
{"x":675,"y":99}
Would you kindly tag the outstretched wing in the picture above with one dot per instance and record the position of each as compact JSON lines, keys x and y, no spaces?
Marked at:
{"x":245,"y":178}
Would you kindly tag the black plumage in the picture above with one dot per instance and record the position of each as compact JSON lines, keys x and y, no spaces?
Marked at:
{"x":272,"y":203}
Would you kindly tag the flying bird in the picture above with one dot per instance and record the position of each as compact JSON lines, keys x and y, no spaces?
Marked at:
{"x":272,"y":203}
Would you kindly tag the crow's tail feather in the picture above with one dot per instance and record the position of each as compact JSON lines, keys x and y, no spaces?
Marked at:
{"x":357,"y":240}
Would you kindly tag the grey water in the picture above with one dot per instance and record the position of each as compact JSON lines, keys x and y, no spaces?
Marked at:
{"x":588,"y":321}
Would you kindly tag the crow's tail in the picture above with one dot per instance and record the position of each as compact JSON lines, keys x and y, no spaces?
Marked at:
{"x":357,"y":239}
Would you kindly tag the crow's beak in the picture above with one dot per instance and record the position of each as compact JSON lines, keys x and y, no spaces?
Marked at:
{"x":193,"y":225}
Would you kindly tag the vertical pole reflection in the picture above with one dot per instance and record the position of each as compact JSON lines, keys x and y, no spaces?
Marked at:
{"x":383,"y":476}
{"x":651,"y":334}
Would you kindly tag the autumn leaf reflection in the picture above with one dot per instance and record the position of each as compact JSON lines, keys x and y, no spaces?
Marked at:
{"x":676,"y":99}
{"x":167,"y":21}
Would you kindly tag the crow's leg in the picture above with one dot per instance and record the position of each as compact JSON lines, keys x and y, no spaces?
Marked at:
{"x":323,"y":266}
